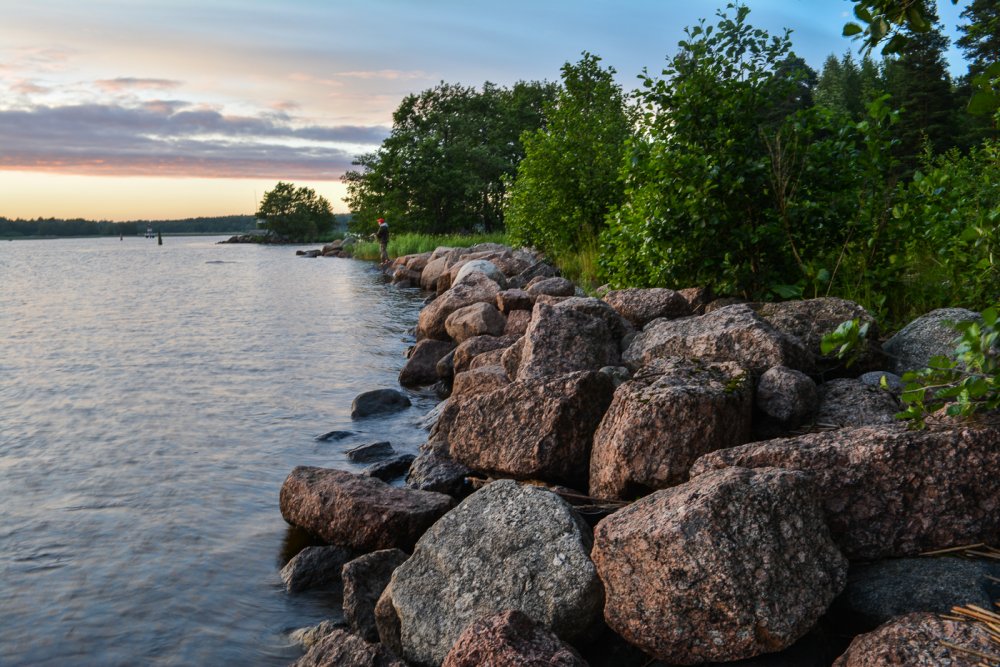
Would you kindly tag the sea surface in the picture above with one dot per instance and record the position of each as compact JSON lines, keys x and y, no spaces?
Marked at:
{"x":152,"y":401}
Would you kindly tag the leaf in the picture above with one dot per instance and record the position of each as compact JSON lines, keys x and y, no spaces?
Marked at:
{"x":852,"y":29}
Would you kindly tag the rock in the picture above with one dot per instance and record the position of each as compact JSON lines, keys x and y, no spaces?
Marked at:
{"x":491,"y":358}
{"x":333,"y":435}
{"x":722,"y":302}
{"x":787,"y":395}
{"x":641,"y":306}
{"x":430,"y":274}
{"x":724,"y":567}
{"x":445,"y":367}
{"x":418,"y":262}
{"x":377,"y":402}
{"x":364,"y":580}
{"x":421,"y":367}
{"x":921,"y":640}
{"x":342,"y":649}
{"x":477,"y":288}
{"x":358,"y":512}
{"x":510,"y":358}
{"x":489,"y":269}
{"x":889,"y":491}
{"x":671,"y":412}
{"x":734,"y":333}
{"x":403,"y":277}
{"x":311,"y":636}
{"x":848,"y":402}
{"x":927,"y":336}
{"x":390,"y":469}
{"x":697,"y":298}
{"x":619,"y":374}
{"x":574,"y":335}
{"x":810,"y":319}
{"x":893,"y":382}
{"x":517,"y":322}
{"x":510,"y":639}
{"x":536,"y":270}
{"x":370,"y":452}
{"x":551,"y":286}
{"x":478,"y":319}
{"x":511,"y":300}
{"x":436,"y":471}
{"x":470,"y":348}
{"x":506,"y":547}
{"x":480,"y":380}
{"x":315,"y":567}
{"x":878,"y":592}
{"x":534,"y":428}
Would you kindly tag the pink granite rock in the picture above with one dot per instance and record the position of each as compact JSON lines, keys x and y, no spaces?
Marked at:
{"x":641,"y":306}
{"x":510,"y":639}
{"x":477,"y":319}
{"x":918,"y":640}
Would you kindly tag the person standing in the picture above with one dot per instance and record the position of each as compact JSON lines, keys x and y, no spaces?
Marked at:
{"x":383,"y":240}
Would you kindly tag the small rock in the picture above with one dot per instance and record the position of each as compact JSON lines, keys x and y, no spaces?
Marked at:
{"x":849,"y":402}
{"x":642,"y":306}
{"x":342,"y":649}
{"x":893,"y":382}
{"x":378,"y":401}
{"x":921,"y":640}
{"x":421,"y":367}
{"x":477,"y":319}
{"x":308,"y":637}
{"x":370,"y":452}
{"x":787,"y":395}
{"x":390,"y":469}
{"x":510,"y":639}
{"x":550,"y":287}
{"x":333,"y":435}
{"x":315,"y":567}
{"x":364,"y":580}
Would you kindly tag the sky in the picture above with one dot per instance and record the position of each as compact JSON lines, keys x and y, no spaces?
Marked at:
{"x":136,"y":109}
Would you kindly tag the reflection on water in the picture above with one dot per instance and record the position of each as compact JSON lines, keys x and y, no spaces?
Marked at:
{"x":152,"y":401}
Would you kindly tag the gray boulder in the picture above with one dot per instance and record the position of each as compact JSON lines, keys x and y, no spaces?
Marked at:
{"x":642,"y":306}
{"x":315,"y":567}
{"x":550,"y":286}
{"x":370,"y":452}
{"x":489,"y":269}
{"x":390,"y":469}
{"x":786,"y":395}
{"x":364,"y":580}
{"x":849,"y":402}
{"x":342,"y":649}
{"x":377,"y":402}
{"x":421,"y":367}
{"x":927,"y":336}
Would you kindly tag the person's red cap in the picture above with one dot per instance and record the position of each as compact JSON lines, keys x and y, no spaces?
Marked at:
{"x":381,"y":220}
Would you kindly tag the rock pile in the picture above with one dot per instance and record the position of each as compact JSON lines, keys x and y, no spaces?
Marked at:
{"x":692,"y":477}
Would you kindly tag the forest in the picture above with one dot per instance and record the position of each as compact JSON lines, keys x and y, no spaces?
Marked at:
{"x":735,"y":166}
{"x":56,"y":227}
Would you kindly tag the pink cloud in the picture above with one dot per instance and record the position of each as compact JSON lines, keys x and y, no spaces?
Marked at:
{"x":132,"y":83}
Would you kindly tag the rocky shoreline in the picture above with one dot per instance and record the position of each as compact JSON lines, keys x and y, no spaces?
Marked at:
{"x":654,"y":477}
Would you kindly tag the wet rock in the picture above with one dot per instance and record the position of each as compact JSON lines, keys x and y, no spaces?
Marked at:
{"x":421,"y":368}
{"x":734,"y":333}
{"x":342,"y":649}
{"x":478,"y":319}
{"x":848,"y":402}
{"x":437,"y":471}
{"x":671,"y":412}
{"x":377,"y":402}
{"x":358,"y":512}
{"x":555,"y":286}
{"x":472,"y":347}
{"x":315,"y":567}
{"x":370,"y":452}
{"x":724,"y":567}
{"x":506,"y":547}
{"x":445,"y":367}
{"x":511,"y":300}
{"x":364,"y":580}
{"x":517,"y":322}
{"x":390,"y":469}
{"x":642,"y":306}
{"x":476,"y":288}
{"x":889,"y":491}
{"x":403,"y":277}
{"x":810,"y":319}
{"x":311,"y":636}
{"x":489,"y":269}
{"x":480,"y":380}
{"x":533,"y":429}
{"x":921,"y":640}
{"x":333,"y":435}
{"x":787,"y":395}
{"x":927,"y":336}
{"x":510,"y":639}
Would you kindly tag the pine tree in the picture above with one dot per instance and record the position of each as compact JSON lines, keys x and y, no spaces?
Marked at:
{"x":980,"y":38}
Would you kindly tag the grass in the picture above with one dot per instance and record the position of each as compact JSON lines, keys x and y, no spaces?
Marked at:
{"x":413,"y":244}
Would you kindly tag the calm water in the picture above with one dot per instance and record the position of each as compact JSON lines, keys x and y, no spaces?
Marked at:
{"x":152,"y":401}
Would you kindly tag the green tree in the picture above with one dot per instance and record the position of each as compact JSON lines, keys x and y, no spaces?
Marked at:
{"x":295,"y":213}
{"x":980,"y":40}
{"x":567,"y":181}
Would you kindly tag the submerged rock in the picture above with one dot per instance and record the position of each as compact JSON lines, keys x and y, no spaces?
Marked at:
{"x":377,"y":402}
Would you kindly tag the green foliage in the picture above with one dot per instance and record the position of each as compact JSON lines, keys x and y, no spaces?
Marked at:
{"x":847,"y":342}
{"x":888,"y":21}
{"x":412,"y":243}
{"x":966,"y":385}
{"x":295,"y":213}
{"x":445,"y":165}
{"x":567,"y":180}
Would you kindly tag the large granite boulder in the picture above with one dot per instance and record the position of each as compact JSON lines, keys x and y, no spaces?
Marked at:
{"x":342,"y":649}
{"x":315,"y":567}
{"x":642,"y":306}
{"x":533,"y":429}
{"x":432,"y":271}
{"x":517,"y":322}
{"x":476,"y":288}
{"x":922,"y":640}
{"x":927,"y":336}
{"x":477,"y":319}
{"x":365,"y":579}
{"x":851,"y":402}
{"x":578,"y":334}
{"x":486,"y":267}
{"x":506,"y":547}
{"x":510,"y":639}
{"x":556,"y":286}
{"x":724,"y":567}
{"x":514,"y":299}
{"x":378,"y":402}
{"x":733,"y":333}
{"x":356,"y":511}
{"x":421,"y":367}
{"x":889,"y":491}
{"x":481,"y":380}
{"x":809,"y":320}
{"x":470,"y":348}
{"x":671,"y":412}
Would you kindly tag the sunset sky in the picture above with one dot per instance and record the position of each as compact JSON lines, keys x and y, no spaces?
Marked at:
{"x":132,"y":109}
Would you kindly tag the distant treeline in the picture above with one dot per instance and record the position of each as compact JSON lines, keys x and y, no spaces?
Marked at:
{"x":55,"y":227}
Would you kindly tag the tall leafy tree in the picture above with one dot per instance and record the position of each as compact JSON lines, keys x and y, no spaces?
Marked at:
{"x":568,"y":178}
{"x":295,"y":213}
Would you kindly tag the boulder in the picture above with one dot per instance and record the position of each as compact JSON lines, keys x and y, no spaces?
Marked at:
{"x":342,"y":649}
{"x":358,"y":512}
{"x":390,"y":469}
{"x":364,"y":580}
{"x":431,"y":272}
{"x":889,"y":491}
{"x":477,"y":288}
{"x":850,"y":402}
{"x":470,"y":348}
{"x":310,"y":636}
{"x":510,"y":639}
{"x":506,"y":547}
{"x":893,"y":382}
{"x":403,"y":277}
{"x":437,"y":471}
{"x":370,"y":452}
{"x":377,"y":402}
{"x":517,"y":322}
{"x":480,"y":380}
{"x":922,"y":640}
{"x":514,"y":299}
{"x":315,"y":567}
{"x":421,"y":367}
{"x":510,"y":358}
{"x":418,"y":262}
{"x":787,"y":396}
{"x":489,"y":269}
{"x":556,"y":286}
{"x":726,"y":566}
{"x":927,"y":336}
{"x":477,"y":319}
{"x":578,"y":334}
{"x":536,"y":270}
{"x":445,"y":367}
{"x":697,"y":298}
{"x":671,"y":412}
{"x":733,"y":333}
{"x":491,"y":358}
{"x":810,"y":319}
{"x":642,"y":306}
{"x":533,"y":428}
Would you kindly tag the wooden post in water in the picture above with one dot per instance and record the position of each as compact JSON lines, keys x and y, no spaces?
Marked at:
{"x":159,"y":238}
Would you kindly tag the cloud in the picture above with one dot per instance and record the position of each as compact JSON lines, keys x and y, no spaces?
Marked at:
{"x":172,"y":138}
{"x":123,"y":83}
{"x":25,"y":87}
{"x":386,"y":74}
